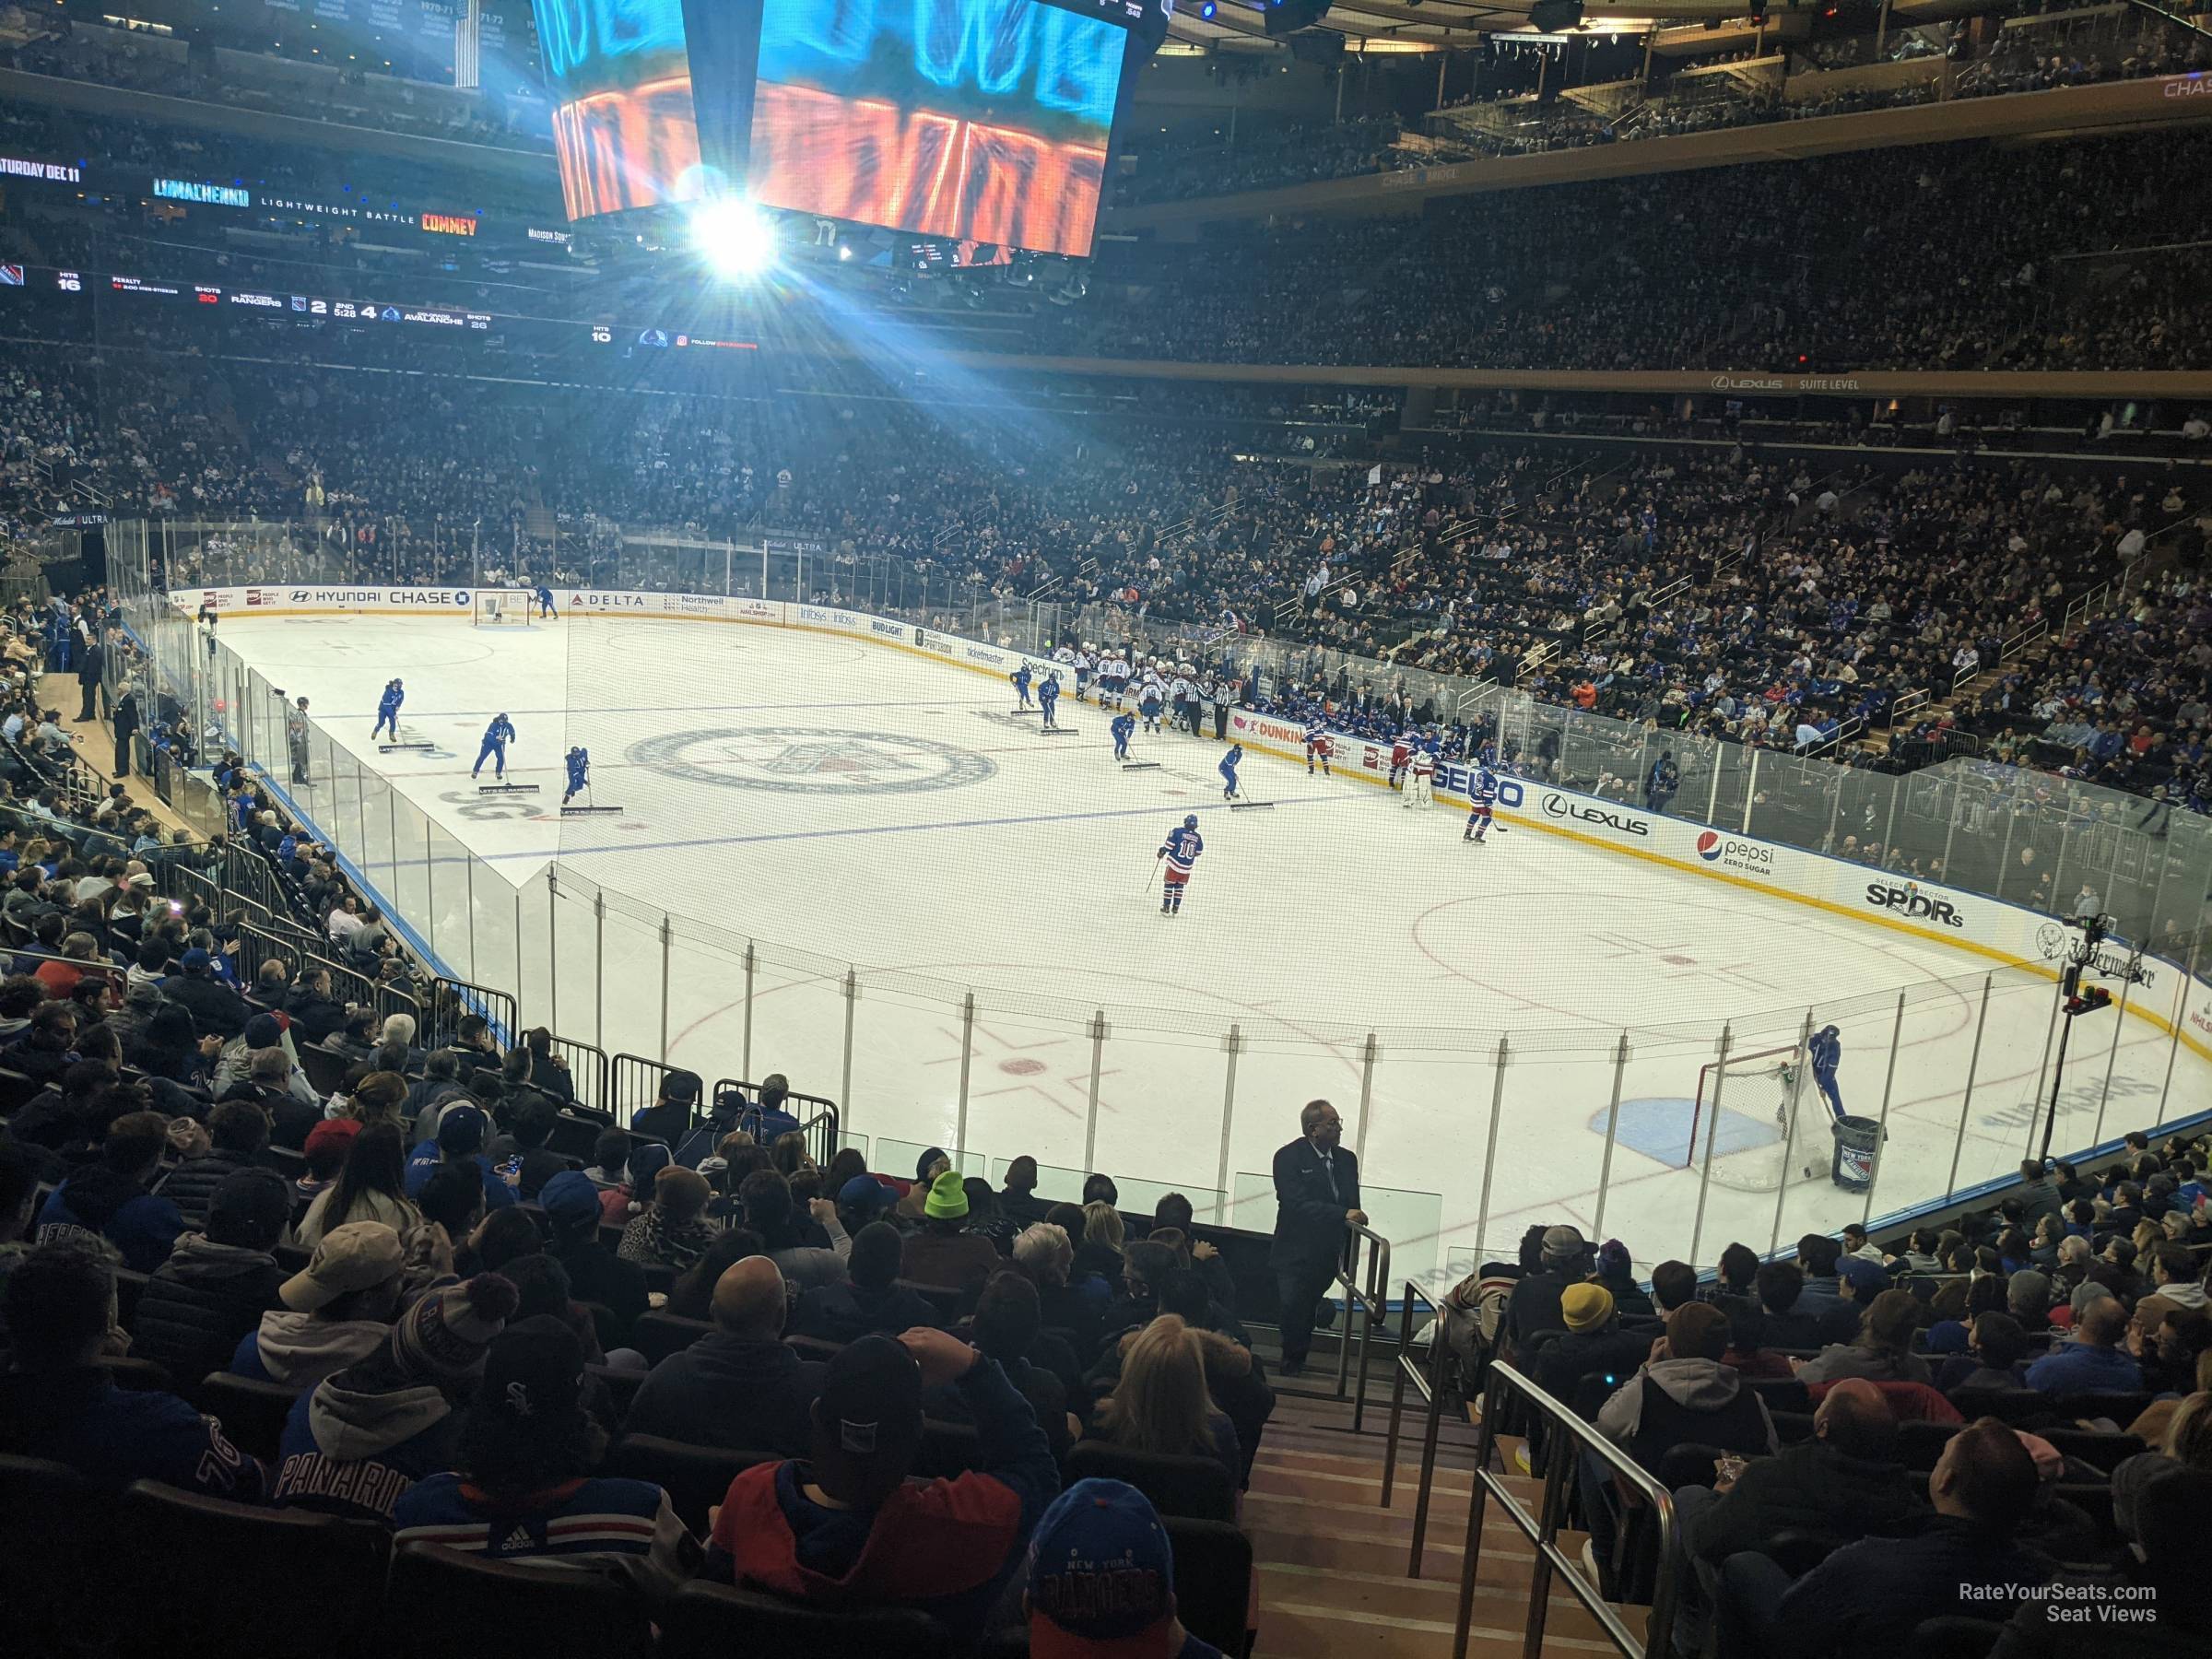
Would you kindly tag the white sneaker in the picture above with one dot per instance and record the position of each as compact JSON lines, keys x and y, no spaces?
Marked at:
{"x":1590,"y":1564}
{"x":1520,"y":1460}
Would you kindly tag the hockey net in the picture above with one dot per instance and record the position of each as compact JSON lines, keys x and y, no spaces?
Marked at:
{"x":1770,"y":1090}
{"x":501,"y":608}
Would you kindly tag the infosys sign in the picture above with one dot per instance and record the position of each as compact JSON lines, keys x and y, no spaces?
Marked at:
{"x":1729,"y":852}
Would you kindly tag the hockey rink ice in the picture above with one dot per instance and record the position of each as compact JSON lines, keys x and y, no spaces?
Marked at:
{"x":838,"y":802}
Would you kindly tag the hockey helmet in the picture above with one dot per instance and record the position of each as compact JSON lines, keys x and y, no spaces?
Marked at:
{"x":1190,"y":821}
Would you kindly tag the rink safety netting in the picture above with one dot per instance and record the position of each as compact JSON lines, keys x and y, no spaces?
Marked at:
{"x":1169,"y":1098}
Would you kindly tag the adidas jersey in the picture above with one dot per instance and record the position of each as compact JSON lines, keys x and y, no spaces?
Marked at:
{"x":574,"y":1522}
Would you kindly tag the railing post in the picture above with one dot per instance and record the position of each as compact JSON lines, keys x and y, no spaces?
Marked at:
{"x":844,"y":1097}
{"x":1897,"y":1038}
{"x":1234,"y":1044}
{"x":1605,"y":1168}
{"x":1966,"y":1103}
{"x":959,"y":1131}
{"x":1090,"y":1113}
{"x":1750,"y":794}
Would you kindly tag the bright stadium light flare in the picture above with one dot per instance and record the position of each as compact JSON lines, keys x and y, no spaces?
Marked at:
{"x":734,"y":238}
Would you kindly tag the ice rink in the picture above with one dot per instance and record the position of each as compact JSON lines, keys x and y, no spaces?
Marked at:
{"x":838,"y":804}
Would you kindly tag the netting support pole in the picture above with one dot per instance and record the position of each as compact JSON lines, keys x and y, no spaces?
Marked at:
{"x":959,"y":1129}
{"x":1367,"y":1095}
{"x":844,"y":1091}
{"x":1234,"y":1044}
{"x":1489,"y":1152}
{"x":599,"y":979}
{"x":1604,"y":1170}
{"x":1801,"y":1063}
{"x":1966,"y":1105}
{"x":1090,"y":1118}
{"x":668,"y":951}
{"x":2180,"y":1010}
{"x":2042,"y":1068}
{"x":1712,"y":1123}
{"x":2105,"y":1096}
{"x":745,"y":1054}
{"x":552,"y":950}
{"x":1897,"y":1038}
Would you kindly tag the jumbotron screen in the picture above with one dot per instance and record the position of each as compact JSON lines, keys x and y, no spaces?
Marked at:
{"x":624,"y":125}
{"x":974,"y":120}
{"x":981,"y":121}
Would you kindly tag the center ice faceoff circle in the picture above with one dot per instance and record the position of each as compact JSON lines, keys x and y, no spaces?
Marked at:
{"x":811,"y":760}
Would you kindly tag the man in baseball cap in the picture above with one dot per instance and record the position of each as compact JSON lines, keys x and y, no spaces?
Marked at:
{"x":461,"y":1135}
{"x":337,"y":1310}
{"x":845,"y":1528}
{"x":1101,"y":1581}
{"x":669,"y":1116}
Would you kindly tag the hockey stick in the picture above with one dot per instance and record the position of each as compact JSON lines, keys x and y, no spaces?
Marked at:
{"x":1150,"y":874}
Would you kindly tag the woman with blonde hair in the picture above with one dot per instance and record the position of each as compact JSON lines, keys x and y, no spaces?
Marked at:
{"x":1161,"y":1403}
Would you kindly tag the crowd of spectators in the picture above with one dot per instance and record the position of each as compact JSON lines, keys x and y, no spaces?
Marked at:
{"x":471,"y":1333}
{"x":352,"y":94}
{"x":1214,"y":164}
{"x":1874,"y":1434}
{"x":1718,"y":591}
{"x":1938,"y":257}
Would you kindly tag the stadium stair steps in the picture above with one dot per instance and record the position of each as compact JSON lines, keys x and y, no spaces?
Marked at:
{"x":1330,"y":1561}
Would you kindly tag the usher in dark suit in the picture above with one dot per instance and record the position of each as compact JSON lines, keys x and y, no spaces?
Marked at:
{"x":1311,"y":1198}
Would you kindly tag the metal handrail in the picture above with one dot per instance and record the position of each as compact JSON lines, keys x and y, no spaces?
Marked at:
{"x":1374,"y":1301}
{"x":1542,"y":1529}
{"x":1431,"y":1385}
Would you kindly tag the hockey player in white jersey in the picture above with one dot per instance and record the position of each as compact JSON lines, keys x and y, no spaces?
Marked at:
{"x":1421,"y":773}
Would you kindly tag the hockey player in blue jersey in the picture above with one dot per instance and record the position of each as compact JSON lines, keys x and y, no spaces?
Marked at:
{"x":580,"y":772}
{"x":1181,"y":850}
{"x":1048,"y":697}
{"x":1482,"y":790}
{"x":497,"y":737}
{"x":1123,"y":726}
{"x":545,"y":601}
{"x":1826,"y":1051}
{"x":1020,"y":679}
{"x":387,"y":710}
{"x":1228,"y":771}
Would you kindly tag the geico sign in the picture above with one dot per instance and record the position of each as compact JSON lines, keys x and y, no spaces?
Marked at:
{"x":1567,"y":807}
{"x":1913,"y":902}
